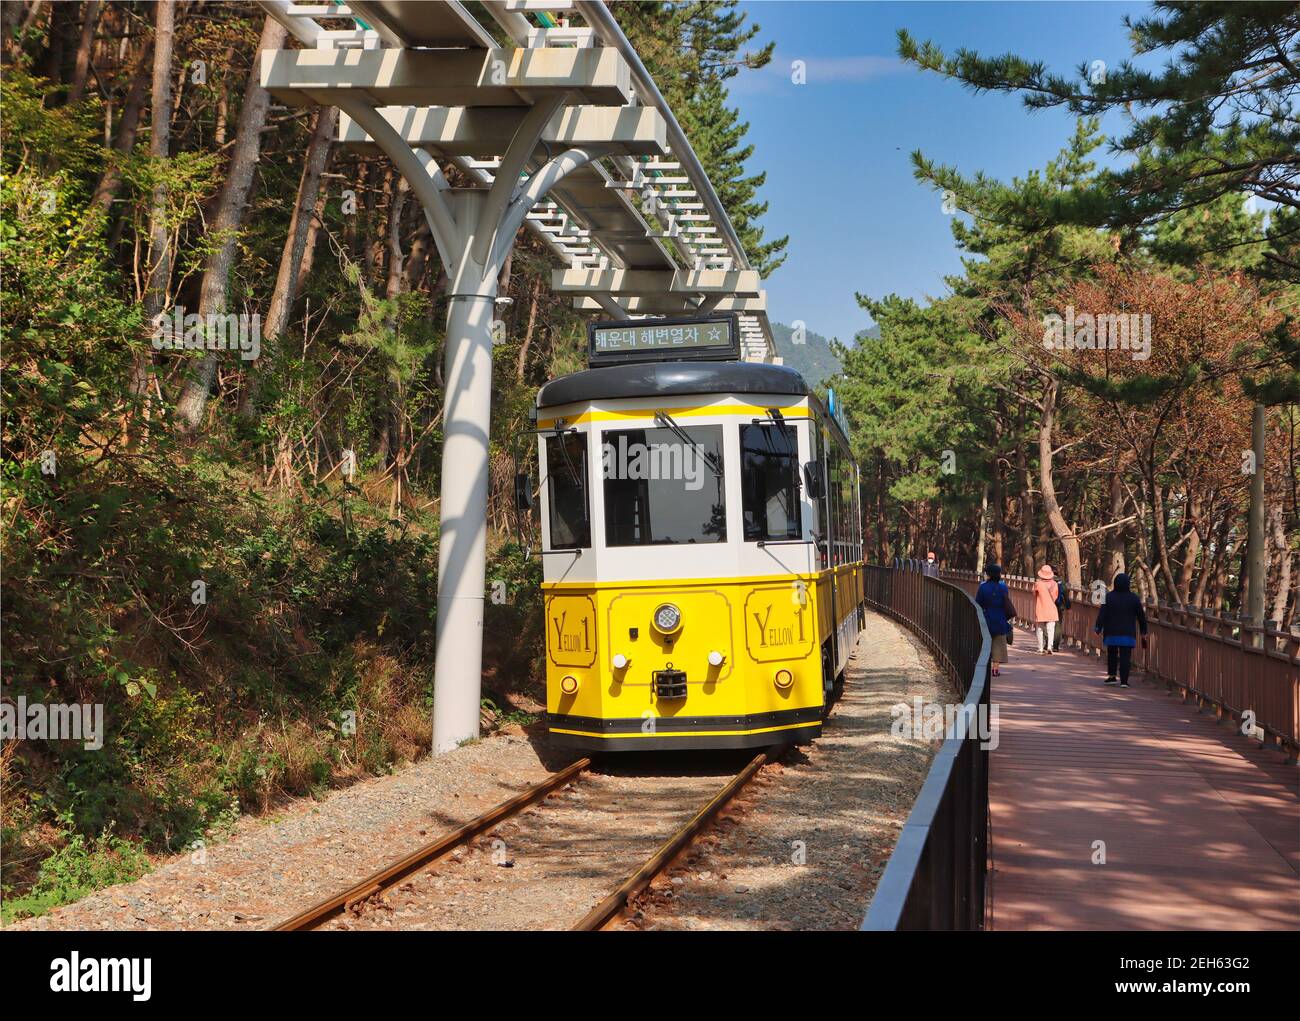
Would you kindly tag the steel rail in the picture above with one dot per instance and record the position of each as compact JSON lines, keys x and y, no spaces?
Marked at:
{"x":612,"y":906}
{"x":375,"y":883}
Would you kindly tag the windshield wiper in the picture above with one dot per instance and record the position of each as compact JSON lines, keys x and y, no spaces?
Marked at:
{"x":666,"y":420}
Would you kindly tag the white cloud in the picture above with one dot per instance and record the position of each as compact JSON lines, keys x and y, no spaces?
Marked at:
{"x":816,"y":71}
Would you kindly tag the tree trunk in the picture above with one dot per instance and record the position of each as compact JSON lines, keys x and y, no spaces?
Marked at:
{"x":313,"y":233}
{"x":417,"y":262}
{"x":1192,"y":548}
{"x":1028,"y":522}
{"x":1047,"y":485}
{"x":10,"y":15}
{"x":159,"y":257}
{"x":229,"y":219}
{"x":999,"y":490}
{"x":1278,"y":528}
{"x":534,"y":300}
{"x":1115,"y":538}
{"x":1256,"y":568}
{"x":1159,"y":524}
{"x":61,"y":20}
{"x":81,"y":65}
{"x":111,"y":180}
{"x":295,"y":245}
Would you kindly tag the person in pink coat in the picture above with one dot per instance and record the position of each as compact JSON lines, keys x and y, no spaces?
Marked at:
{"x":1046,"y":592}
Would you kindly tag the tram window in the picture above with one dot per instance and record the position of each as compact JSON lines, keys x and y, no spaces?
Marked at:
{"x":661,"y":490}
{"x":837,"y":507}
{"x":769,"y":460}
{"x":846,"y":511}
{"x":823,"y":501}
{"x":566,"y":472}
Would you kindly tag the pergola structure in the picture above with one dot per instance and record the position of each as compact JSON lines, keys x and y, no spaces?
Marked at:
{"x":564,"y":133}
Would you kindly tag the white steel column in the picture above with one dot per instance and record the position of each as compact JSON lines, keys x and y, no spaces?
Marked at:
{"x":462,"y":544}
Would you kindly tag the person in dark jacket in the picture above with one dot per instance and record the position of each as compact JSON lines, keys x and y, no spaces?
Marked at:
{"x":1062,"y":604}
{"x":1118,"y":621}
{"x":931,"y":567}
{"x":992,"y":597}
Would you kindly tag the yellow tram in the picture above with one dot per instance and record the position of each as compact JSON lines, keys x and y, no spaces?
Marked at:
{"x":702,"y":554}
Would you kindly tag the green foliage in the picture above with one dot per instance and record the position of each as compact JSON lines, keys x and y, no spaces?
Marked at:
{"x":80,"y":867}
{"x":908,"y":395}
{"x":1217,"y":122}
{"x":519,"y":615}
{"x":42,"y":137}
{"x":1223,"y":118}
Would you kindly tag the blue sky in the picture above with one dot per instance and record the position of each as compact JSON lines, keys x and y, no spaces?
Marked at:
{"x":836,"y":149}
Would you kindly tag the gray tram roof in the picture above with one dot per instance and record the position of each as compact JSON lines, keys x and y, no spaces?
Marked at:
{"x":671,"y":379}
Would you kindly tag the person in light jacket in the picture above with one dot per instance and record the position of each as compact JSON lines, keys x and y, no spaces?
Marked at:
{"x":1046,"y":594}
{"x":1118,"y":621}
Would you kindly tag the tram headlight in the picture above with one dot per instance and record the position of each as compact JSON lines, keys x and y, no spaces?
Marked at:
{"x":783,"y":679}
{"x":667,"y":619}
{"x":568,"y":684}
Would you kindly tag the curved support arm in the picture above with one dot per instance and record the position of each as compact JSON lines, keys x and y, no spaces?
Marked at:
{"x":417,"y":175}
{"x":538,"y":185}
{"x":513,"y":164}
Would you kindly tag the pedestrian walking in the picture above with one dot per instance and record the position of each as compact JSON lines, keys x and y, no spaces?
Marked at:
{"x":1046,"y":614}
{"x":1119,"y":620}
{"x":1062,"y":604}
{"x":993,"y":598}
{"x":931,"y":565}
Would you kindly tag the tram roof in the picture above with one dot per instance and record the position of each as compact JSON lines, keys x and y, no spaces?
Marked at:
{"x":675,"y":379}
{"x":670,"y":379}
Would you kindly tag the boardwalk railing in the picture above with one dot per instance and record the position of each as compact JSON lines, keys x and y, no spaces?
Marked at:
{"x":935,"y":877}
{"x":1231,"y":666}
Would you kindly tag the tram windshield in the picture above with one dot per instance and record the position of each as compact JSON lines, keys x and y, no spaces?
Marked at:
{"x":664,"y":486}
{"x":566,"y":467}
{"x":768,"y":463}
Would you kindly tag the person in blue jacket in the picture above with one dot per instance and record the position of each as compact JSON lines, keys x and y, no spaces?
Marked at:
{"x":992,"y":597}
{"x":1118,"y":621}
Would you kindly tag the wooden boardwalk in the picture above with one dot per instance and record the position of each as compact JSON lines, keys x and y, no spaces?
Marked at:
{"x":1201,"y":827}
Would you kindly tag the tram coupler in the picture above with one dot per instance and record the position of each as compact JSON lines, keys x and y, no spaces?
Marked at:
{"x":670,"y":683}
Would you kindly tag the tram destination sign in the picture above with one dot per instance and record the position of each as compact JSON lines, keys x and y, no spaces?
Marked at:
{"x":710,"y":337}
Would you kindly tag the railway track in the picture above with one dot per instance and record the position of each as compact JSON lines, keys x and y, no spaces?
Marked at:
{"x":602,"y":916}
{"x":376,"y":883}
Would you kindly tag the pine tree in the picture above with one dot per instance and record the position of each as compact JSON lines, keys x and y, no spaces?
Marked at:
{"x":1222,"y":123}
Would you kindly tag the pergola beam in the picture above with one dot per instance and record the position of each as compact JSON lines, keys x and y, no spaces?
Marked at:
{"x":642,"y":282}
{"x":393,"y":77}
{"x":675,"y":305}
{"x":488,"y":131}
